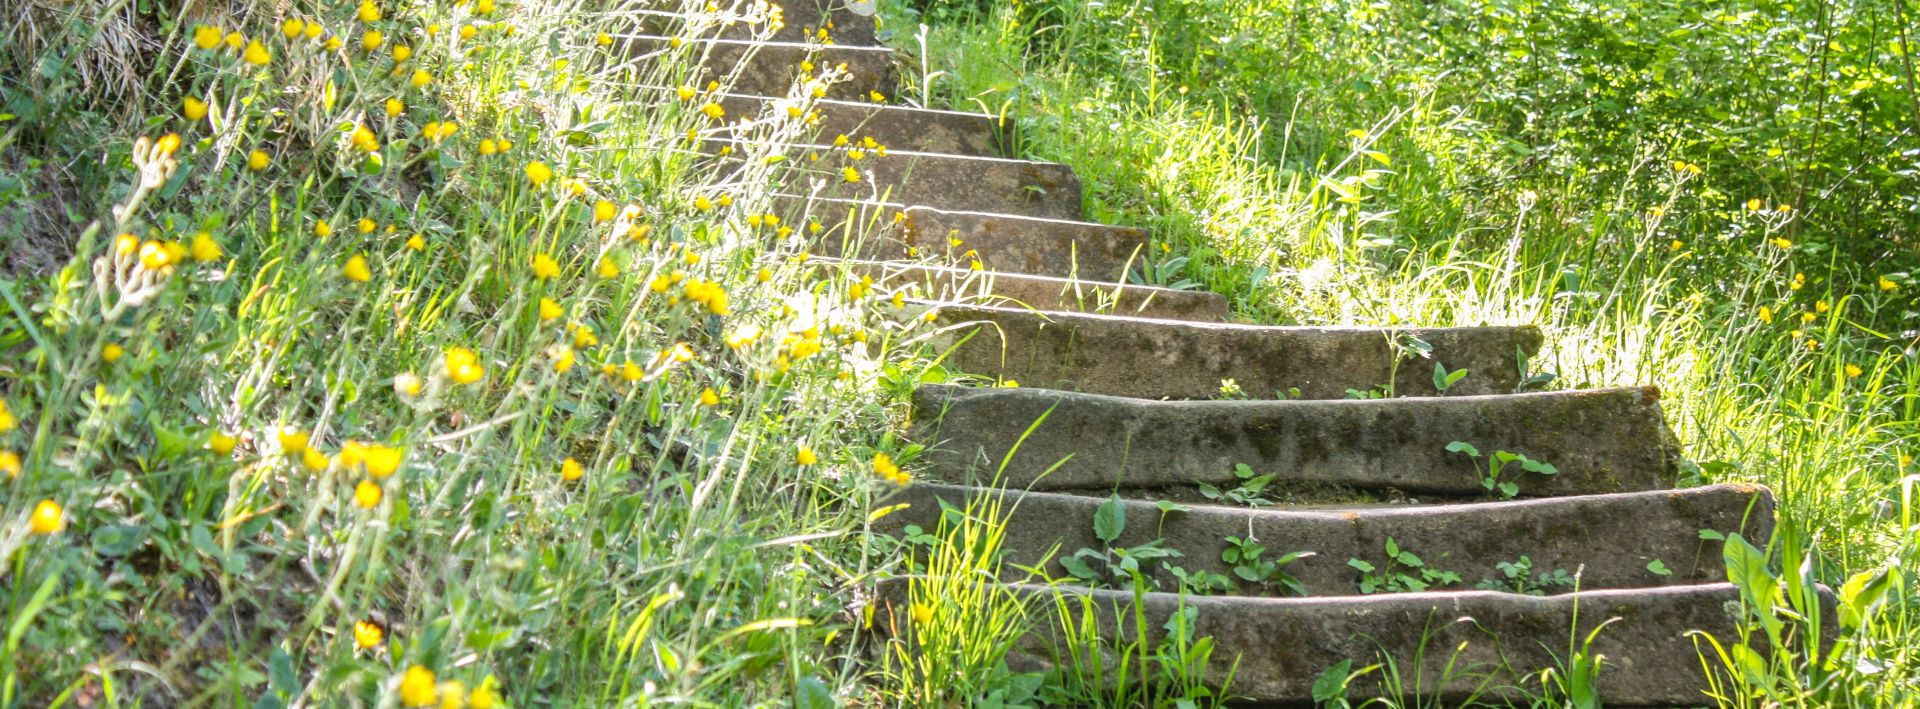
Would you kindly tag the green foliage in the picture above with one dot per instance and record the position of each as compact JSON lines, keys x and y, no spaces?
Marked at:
{"x":1250,"y":491}
{"x":1402,"y":571}
{"x":1497,"y":464}
{"x":1518,"y":576}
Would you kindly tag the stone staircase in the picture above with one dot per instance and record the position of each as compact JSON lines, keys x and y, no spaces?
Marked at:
{"x":1385,"y":493}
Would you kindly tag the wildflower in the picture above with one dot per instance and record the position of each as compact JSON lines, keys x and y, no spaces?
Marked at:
{"x":1799,"y":281}
{"x":538,"y":173}
{"x":10,"y":464}
{"x":206,"y":37}
{"x":603,"y":39}
{"x":356,"y":269}
{"x":292,"y":27}
{"x":1765,"y":314}
{"x":368,"y":12}
{"x":371,"y":40}
{"x":322,"y":229}
{"x":463,"y":366}
{"x":292,"y":441}
{"x":366,"y":634}
{"x":7,"y":419}
{"x":381,"y":460}
{"x":550,"y":309}
{"x":256,"y":54}
{"x":47,"y":518}
{"x":314,"y":30}
{"x":631,"y":372}
{"x":416,"y":243}
{"x":235,"y":40}
{"x":884,"y":466}
{"x":922,"y":614}
{"x":876,"y":96}
{"x":468,"y":31}
{"x":401,"y":53}
{"x":608,"y":268}
{"x":604,"y":211}
{"x":850,"y":175}
{"x":453,"y":694}
{"x":394,"y":107}
{"x":416,"y":686}
{"x":1808,"y":317}
{"x":365,"y":139}
{"x":1853,"y":370}
{"x":1781,"y":242}
{"x":583,"y":337}
{"x":805,"y":456}
{"x":112,"y":353}
{"x":222,"y":444}
{"x":1755,"y":204}
{"x":367,"y":495}
{"x":1820,"y":306}
{"x":420,"y":78}
{"x":714,"y":111}
{"x":562,"y":357}
{"x":1887,"y":284}
{"x":194,"y":109}
{"x":314,"y":460}
{"x":487,"y":147}
{"x":1812,"y":344}
{"x":544,"y":267}
{"x":570,"y":470}
{"x":155,"y":255}
{"x":484,"y":7}
{"x":484,"y":696}
{"x":702,"y":203}
{"x":204,"y":248}
{"x":406,"y":384}
{"x":709,"y":397}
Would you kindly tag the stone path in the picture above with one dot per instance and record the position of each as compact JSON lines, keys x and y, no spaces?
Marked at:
{"x":1127,"y":379}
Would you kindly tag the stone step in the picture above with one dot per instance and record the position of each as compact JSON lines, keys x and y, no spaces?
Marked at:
{"x":1451,"y":641}
{"x":1608,"y":440}
{"x":1140,"y":357}
{"x":802,"y":19}
{"x":772,"y":68}
{"x":939,"y":284}
{"x":899,"y":128}
{"x":947,"y":182}
{"x":1001,"y":242}
{"x":1609,"y":541}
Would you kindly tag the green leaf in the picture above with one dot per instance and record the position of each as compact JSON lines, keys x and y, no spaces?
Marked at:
{"x":118,"y":539}
{"x":1463,"y":447}
{"x":812,"y":694}
{"x":1362,"y":565}
{"x":1659,"y":568}
{"x":1110,"y":519}
{"x":1171,"y":506}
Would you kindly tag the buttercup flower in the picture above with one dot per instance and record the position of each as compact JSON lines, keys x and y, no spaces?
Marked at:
{"x":47,"y":518}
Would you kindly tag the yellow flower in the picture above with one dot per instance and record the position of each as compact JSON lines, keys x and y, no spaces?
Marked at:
{"x":1808,"y":317}
{"x":420,"y":78}
{"x":1755,"y":204}
{"x":562,"y":357}
{"x":714,"y":111}
{"x":367,"y":495}
{"x":194,"y":109}
{"x":257,"y":160}
{"x":322,"y":229}
{"x":315,"y":460}
{"x":702,"y":203}
{"x":256,"y":54}
{"x":366,"y":634}
{"x":604,"y":211}
{"x":7,"y":420}
{"x":416,"y":686}
{"x":401,"y":53}
{"x":876,"y":96}
{"x":850,"y":175}
{"x":368,"y":12}
{"x":207,"y":37}
{"x":417,"y":243}
{"x":382,"y":460}
{"x":922,"y":614}
{"x":47,"y":518}
{"x":394,"y":107}
{"x":365,"y":225}
{"x":468,"y":31}
{"x":583,"y":336}
{"x":221,"y":443}
{"x":453,"y":694}
{"x":608,"y":268}
{"x":1820,"y":306}
{"x":1765,"y":314}
{"x":685,"y":92}
{"x":603,"y":39}
{"x":371,"y":40}
{"x":112,"y":352}
{"x":235,"y":40}
{"x":1887,"y":284}
{"x":204,"y":248}
{"x":884,"y":466}
{"x":463,"y":366}
{"x":484,"y":7}
{"x":365,"y":139}
{"x":550,"y":309}
{"x":570,"y":470}
{"x":544,"y":267}
{"x":406,"y":384}
{"x":292,"y":441}
{"x":487,"y":147}
{"x":538,"y":173}
{"x":805,"y":456}
{"x":709,"y":397}
{"x":1853,"y":370}
{"x":314,"y":30}
{"x":10,"y":464}
{"x":1781,"y":242}
{"x":356,"y":269}
{"x":292,"y":27}
{"x":155,"y":255}
{"x":484,"y":696}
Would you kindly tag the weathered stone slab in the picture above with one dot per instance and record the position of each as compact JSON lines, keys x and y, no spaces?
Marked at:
{"x":1607,"y":440}
{"x":1001,"y":242}
{"x":1140,"y":357}
{"x":802,"y":20}
{"x":1283,"y":644}
{"x":901,"y":128}
{"x":1608,"y":540}
{"x":951,"y":182}
{"x":773,"y":68}
{"x":937,"y":283}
